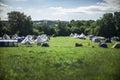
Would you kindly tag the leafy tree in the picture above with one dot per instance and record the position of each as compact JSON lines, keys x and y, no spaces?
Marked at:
{"x":20,"y":23}
{"x":4,"y":29}
{"x":107,"y":27}
{"x":63,"y":29}
{"x":0,"y":27}
{"x":117,"y":22}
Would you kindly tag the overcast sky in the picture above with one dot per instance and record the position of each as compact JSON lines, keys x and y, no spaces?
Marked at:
{"x":60,"y":9}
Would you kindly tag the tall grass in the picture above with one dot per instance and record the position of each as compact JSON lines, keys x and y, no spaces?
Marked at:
{"x":61,"y":61}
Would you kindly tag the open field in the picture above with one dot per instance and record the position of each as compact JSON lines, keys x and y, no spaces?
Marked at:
{"x":61,"y":61}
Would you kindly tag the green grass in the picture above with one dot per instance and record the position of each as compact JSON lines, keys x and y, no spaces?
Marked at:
{"x":61,"y":61}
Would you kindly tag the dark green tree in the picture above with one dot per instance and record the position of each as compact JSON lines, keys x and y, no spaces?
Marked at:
{"x":0,"y":27}
{"x":63,"y":28}
{"x":20,"y":23}
{"x":4,"y":27}
{"x":117,"y":23}
{"x":107,"y":27}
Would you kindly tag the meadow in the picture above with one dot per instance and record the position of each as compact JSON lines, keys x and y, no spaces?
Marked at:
{"x":61,"y":61}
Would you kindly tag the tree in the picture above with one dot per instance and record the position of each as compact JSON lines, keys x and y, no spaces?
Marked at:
{"x":117,"y":22}
{"x":20,"y":23}
{"x":63,"y":28}
{"x":107,"y":27}
{"x":4,"y":28}
{"x":0,"y":27}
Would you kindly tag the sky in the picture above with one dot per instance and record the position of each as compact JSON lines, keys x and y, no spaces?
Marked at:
{"x":60,"y":9}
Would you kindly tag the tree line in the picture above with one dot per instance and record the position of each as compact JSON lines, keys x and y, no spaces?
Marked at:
{"x":18,"y":23}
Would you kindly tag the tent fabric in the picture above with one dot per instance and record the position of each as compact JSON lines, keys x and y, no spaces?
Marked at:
{"x":97,"y":39}
{"x":82,"y":36}
{"x":20,"y":39}
{"x":71,"y":34}
{"x":28,"y":40}
{"x":8,"y":43}
{"x":103,"y":44}
{"x":41,"y":39}
{"x":75,"y":35}
{"x":108,"y":40}
{"x":45,"y":45}
{"x":15,"y":37}
{"x":6,"y":37}
{"x":116,"y":45}
{"x":90,"y":37}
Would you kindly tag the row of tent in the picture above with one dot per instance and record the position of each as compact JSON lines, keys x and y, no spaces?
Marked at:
{"x":44,"y":38}
{"x":97,"y":39}
{"x":75,"y":35}
{"x":83,"y":36}
{"x":92,"y":37}
{"x":28,"y":39}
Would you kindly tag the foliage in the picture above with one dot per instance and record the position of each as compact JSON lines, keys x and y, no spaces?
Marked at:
{"x":107,"y":26}
{"x":20,"y":23}
{"x":117,"y":22}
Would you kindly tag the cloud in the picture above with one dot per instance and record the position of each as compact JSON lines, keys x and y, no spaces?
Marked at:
{"x":101,"y":7}
{"x":62,"y":13}
{"x":4,"y":9}
{"x":3,"y":6}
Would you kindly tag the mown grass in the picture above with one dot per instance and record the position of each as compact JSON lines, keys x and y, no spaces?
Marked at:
{"x":61,"y":61}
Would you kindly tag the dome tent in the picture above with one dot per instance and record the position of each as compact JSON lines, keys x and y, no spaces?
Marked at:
{"x":15,"y":37}
{"x":28,"y":40}
{"x":41,"y":39}
{"x":116,"y":45}
{"x":6,"y":37}
{"x":103,"y":44}
{"x":82,"y":36}
{"x":97,"y":39}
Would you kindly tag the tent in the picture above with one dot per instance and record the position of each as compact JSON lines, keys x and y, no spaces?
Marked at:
{"x":82,"y":36}
{"x":15,"y":37}
{"x":6,"y":37}
{"x":90,"y":37}
{"x":45,"y":45}
{"x":75,"y":35}
{"x":108,"y":40}
{"x":116,"y":45}
{"x":71,"y":34}
{"x":103,"y":44}
{"x":28,"y":40}
{"x":20,"y":39}
{"x":97,"y":39}
{"x":115,"y":38}
{"x":41,"y":39}
{"x":8,"y":43}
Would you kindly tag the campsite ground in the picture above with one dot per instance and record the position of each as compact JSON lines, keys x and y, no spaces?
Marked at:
{"x":61,"y":61}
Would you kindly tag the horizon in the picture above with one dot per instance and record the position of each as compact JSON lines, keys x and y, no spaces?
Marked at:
{"x":63,"y":10}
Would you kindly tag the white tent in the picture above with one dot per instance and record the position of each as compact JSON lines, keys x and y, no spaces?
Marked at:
{"x":71,"y":34}
{"x":90,"y":37}
{"x":97,"y":39}
{"x":6,"y":37}
{"x":116,"y":45}
{"x":82,"y":36}
{"x":15,"y":37}
{"x":75,"y":35}
{"x":41,"y":39}
{"x":28,"y":40}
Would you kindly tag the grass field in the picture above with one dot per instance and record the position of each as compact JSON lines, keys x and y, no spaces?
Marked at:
{"x":61,"y":61}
